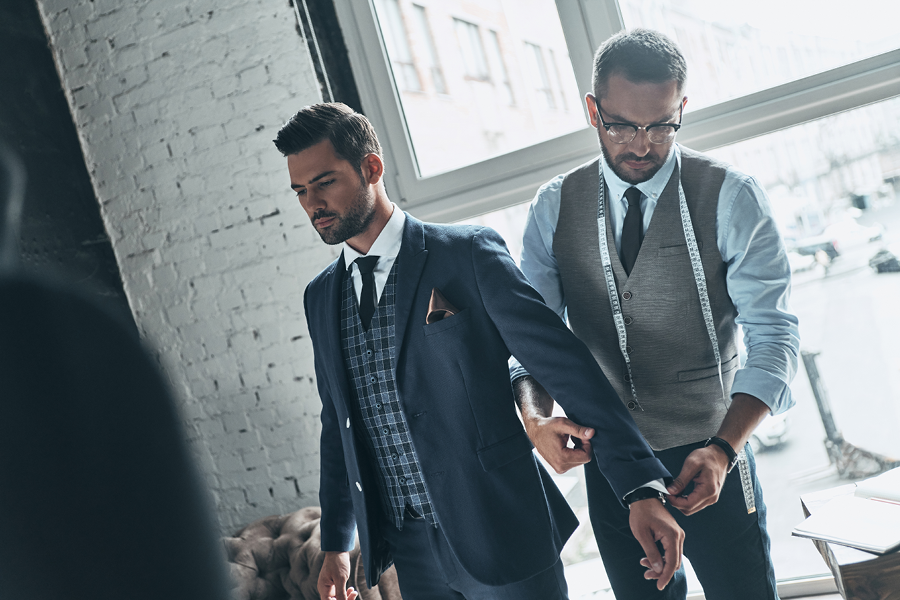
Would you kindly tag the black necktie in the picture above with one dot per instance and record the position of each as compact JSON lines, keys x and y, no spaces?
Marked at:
{"x":632,"y":229}
{"x":369,"y":297}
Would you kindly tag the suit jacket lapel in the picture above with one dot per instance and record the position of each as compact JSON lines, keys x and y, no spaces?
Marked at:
{"x":410,"y":263}
{"x":334,"y":290}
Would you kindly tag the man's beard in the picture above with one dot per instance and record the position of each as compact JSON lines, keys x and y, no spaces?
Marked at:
{"x":619,"y":169}
{"x":354,"y":222}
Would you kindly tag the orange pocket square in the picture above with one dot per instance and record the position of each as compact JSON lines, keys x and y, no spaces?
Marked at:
{"x":438,"y":307}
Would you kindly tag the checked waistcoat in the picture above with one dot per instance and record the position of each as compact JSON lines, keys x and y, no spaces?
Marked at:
{"x":368,"y":358}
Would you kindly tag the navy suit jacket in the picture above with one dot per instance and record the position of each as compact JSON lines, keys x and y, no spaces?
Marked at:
{"x":503,"y":517}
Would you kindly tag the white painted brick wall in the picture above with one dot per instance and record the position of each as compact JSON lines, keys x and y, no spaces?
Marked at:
{"x":176,"y":103}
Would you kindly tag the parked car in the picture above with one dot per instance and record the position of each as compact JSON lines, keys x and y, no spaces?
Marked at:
{"x":835,"y":239}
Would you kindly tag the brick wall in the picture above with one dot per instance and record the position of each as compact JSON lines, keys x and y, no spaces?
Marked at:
{"x":176,"y":103}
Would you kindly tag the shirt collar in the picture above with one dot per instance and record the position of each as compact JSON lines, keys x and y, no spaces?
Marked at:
{"x":652,"y":188}
{"x":387,"y":244}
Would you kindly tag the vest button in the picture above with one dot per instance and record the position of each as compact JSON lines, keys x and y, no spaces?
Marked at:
{"x":626,"y":377}
{"x":629,"y":349}
{"x":628,"y":320}
{"x":378,"y":405}
{"x":631,"y":405}
{"x":402,"y":480}
{"x":394,"y":455}
{"x":386,"y":430}
{"x":626,"y":295}
{"x":368,"y":353}
{"x":373,"y":379}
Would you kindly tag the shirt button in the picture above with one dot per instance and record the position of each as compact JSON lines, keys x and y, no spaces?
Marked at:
{"x":626,"y":295}
{"x":386,"y":430}
{"x":628,"y":320}
{"x":358,"y":486}
{"x":631,"y":405}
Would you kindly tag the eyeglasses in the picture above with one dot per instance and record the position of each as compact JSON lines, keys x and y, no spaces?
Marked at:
{"x":623,"y":133}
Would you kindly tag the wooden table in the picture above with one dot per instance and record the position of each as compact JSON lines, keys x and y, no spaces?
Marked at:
{"x":859,"y":575}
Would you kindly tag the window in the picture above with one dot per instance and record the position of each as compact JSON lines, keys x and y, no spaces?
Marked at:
{"x":539,"y":77}
{"x":397,"y":44}
{"x":557,"y":80}
{"x":499,"y":74}
{"x":511,"y":153}
{"x":472,"y":50}
{"x":431,"y":55}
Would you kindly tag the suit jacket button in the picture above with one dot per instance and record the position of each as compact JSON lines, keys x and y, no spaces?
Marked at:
{"x":358,"y":486}
{"x":348,"y":422}
{"x":631,"y":406}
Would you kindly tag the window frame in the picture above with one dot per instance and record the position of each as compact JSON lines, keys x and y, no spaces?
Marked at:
{"x":512,"y":178}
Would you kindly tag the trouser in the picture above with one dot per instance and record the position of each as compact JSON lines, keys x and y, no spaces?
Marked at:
{"x":428,"y":570}
{"x":727,"y":546}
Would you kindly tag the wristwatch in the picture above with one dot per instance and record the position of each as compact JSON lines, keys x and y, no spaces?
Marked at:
{"x":642,"y":493}
{"x":726,"y":448}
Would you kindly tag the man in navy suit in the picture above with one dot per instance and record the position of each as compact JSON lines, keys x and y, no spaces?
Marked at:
{"x":422,"y":449}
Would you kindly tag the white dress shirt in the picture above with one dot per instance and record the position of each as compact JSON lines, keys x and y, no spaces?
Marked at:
{"x":386,"y":248}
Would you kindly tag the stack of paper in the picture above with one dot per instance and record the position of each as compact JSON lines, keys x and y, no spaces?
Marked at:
{"x":868,"y":520}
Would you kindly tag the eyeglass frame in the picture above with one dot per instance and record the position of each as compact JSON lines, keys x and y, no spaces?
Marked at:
{"x":637,"y":128}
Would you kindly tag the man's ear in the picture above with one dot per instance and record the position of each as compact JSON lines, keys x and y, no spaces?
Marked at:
{"x":372,"y":168}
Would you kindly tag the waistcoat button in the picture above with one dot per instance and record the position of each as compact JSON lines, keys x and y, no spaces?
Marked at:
{"x":631,"y":405}
{"x":628,"y":320}
{"x":626,"y":295}
{"x":626,"y":377}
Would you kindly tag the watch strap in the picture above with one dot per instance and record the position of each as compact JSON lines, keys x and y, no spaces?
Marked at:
{"x":726,"y":448}
{"x":642,"y":493}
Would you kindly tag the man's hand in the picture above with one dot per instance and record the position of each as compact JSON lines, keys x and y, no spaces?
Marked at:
{"x":551,"y":438}
{"x":707,"y":468}
{"x":333,"y":577}
{"x":549,"y":434}
{"x":650,"y":523}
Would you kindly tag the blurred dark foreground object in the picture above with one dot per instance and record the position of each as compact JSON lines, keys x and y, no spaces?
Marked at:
{"x":279,"y":558}
{"x":98,"y":496}
{"x":99,"y":499}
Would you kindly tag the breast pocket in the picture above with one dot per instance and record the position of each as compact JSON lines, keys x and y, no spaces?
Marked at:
{"x":460,"y":319}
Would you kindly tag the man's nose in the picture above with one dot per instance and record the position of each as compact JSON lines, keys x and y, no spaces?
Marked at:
{"x":640,"y":145}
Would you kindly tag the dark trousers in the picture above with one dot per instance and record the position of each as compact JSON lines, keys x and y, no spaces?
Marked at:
{"x":728,"y":548}
{"x":428,"y":570}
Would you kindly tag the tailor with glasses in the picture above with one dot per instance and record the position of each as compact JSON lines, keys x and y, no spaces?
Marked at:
{"x":654,"y":254}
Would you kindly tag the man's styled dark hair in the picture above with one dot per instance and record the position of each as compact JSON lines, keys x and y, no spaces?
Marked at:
{"x":349,"y":132}
{"x":641,"y":56}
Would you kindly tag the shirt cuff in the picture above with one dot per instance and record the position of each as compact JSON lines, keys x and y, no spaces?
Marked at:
{"x":516,"y":370}
{"x":656,"y":484}
{"x":768,"y":388}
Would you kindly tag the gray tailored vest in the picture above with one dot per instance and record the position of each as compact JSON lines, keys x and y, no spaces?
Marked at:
{"x":672,"y":359}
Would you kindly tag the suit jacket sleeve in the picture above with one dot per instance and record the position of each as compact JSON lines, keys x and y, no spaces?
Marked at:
{"x":338,"y":523}
{"x":553,"y":355}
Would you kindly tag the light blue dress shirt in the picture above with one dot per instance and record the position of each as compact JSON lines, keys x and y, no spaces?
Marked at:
{"x":758,"y":275}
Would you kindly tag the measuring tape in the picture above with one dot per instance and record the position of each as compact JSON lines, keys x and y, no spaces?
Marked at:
{"x":699,"y":279}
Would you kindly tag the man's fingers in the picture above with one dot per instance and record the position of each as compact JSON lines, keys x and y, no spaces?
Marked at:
{"x":645,"y":539}
{"x":672,"y":549}
{"x":564,"y":426}
{"x":688,"y":472}
{"x":352,"y":594}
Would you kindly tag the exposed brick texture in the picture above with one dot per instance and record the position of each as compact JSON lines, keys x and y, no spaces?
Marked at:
{"x":176,"y":103}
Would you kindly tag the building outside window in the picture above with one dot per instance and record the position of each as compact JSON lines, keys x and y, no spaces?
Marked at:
{"x":539,"y":77}
{"x":398,"y":45}
{"x":472,"y":50}
{"x":499,"y":74}
{"x":431,"y":55}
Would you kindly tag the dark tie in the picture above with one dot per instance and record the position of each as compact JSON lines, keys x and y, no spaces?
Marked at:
{"x":632,"y":229}
{"x":369,"y":297}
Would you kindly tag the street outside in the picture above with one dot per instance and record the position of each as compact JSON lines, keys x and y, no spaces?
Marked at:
{"x":849,"y":315}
